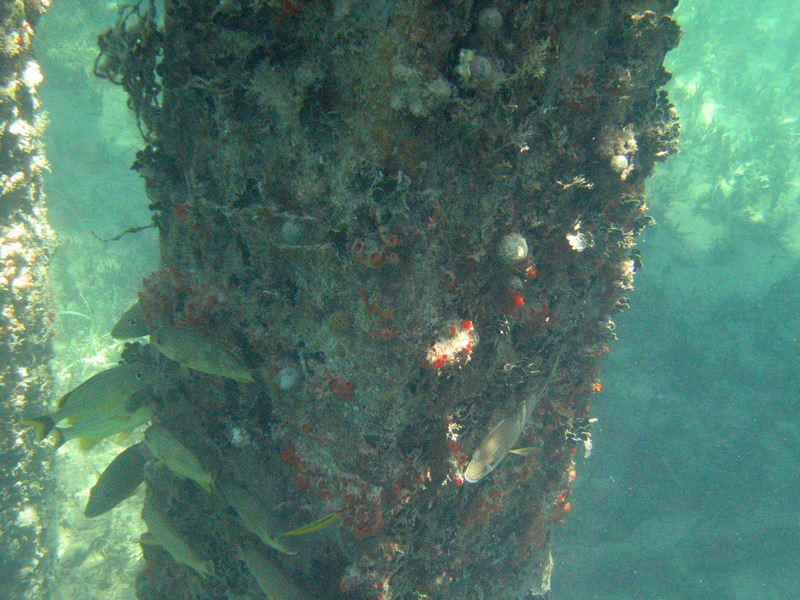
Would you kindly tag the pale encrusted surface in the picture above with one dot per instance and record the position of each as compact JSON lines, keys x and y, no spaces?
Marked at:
{"x":25,"y":245}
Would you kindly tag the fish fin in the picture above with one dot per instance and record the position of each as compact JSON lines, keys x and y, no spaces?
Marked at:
{"x":261,"y":377}
{"x":208,"y":486}
{"x":314,"y":526}
{"x":248,"y":377}
{"x":87,"y":443}
{"x":275,"y":543}
{"x":208,"y":570}
{"x":147,"y":539}
{"x":58,"y":438}
{"x":41,"y":426}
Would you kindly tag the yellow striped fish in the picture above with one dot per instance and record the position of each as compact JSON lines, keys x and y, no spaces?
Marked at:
{"x":192,"y":352}
{"x":97,"y":394}
{"x":177,"y":457}
{"x":505,"y":435}
{"x":160,"y":533}
{"x":93,"y":428}
{"x":255,"y":516}
{"x":119,"y":481}
{"x":272,"y":580}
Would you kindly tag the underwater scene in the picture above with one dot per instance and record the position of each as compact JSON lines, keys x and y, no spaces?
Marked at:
{"x":402,"y":300}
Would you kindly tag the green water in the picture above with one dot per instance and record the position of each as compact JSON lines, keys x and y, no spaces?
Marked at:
{"x":90,"y":142}
{"x":692,"y":489}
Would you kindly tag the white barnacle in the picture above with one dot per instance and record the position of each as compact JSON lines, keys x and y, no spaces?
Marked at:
{"x":513,"y":248}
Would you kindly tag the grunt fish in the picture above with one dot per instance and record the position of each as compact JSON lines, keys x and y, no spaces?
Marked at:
{"x":505,"y":435}
{"x":95,"y":395}
{"x":96,"y":427}
{"x":177,"y":457}
{"x":256,"y":517}
{"x":272,"y":580}
{"x":119,"y":481}
{"x":160,"y":533}
{"x":130,"y":324}
{"x":191,"y":351}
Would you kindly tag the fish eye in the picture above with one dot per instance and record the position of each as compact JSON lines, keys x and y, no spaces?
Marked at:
{"x":139,"y":375}
{"x":133,"y":322}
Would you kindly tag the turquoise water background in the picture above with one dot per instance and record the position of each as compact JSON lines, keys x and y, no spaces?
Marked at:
{"x":693,"y":486}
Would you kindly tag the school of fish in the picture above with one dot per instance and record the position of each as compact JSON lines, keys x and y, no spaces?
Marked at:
{"x":119,"y":401}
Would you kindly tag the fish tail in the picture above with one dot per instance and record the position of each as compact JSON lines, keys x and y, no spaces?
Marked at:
{"x":320,"y":523}
{"x":58,"y":438}
{"x":261,"y":377}
{"x":208,"y":570}
{"x":41,"y":426}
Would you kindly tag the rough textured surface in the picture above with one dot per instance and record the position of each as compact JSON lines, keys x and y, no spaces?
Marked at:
{"x":334,"y":184}
{"x":25,"y":245}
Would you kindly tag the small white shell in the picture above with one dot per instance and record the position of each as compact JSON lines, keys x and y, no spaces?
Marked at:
{"x":619,"y":163}
{"x":513,"y":248}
